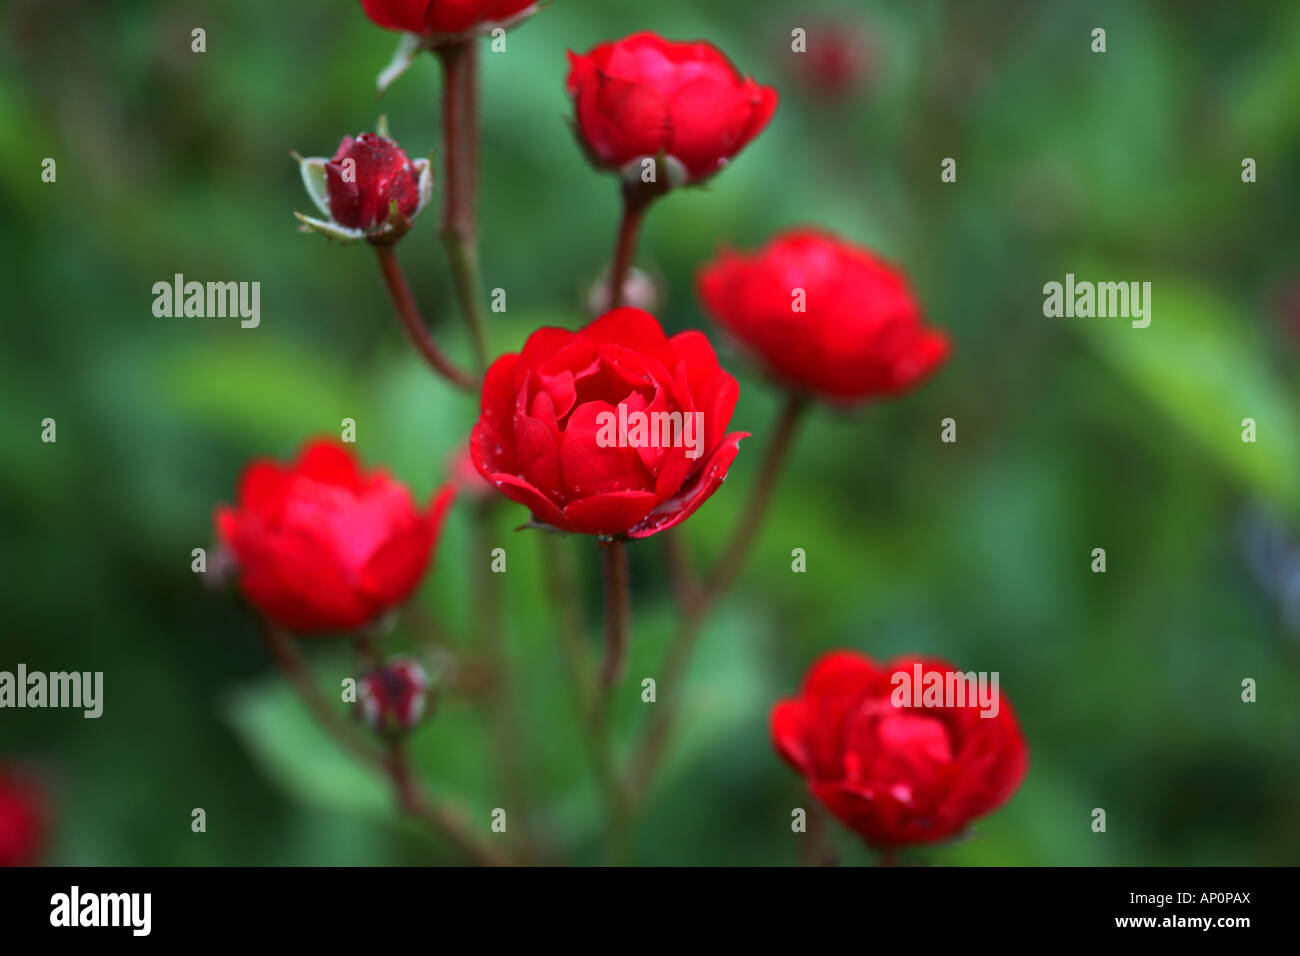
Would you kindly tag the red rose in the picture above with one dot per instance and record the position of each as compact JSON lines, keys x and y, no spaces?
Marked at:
{"x":897,"y":774}
{"x":22,"y":821}
{"x":391,"y":699}
{"x":321,"y":546}
{"x":380,"y":173}
{"x":442,"y":16}
{"x":644,"y":95}
{"x":551,"y":435}
{"x":824,"y":316}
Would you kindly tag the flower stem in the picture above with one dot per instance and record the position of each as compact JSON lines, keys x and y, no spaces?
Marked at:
{"x":629,"y":230}
{"x":678,"y":656}
{"x":408,"y":313}
{"x":439,"y":816}
{"x":436,"y":815}
{"x":460,"y":181}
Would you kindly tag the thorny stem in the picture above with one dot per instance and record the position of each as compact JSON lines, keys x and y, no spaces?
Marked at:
{"x":408,"y":313}
{"x":655,"y":741}
{"x":459,"y":181}
{"x":438,"y":815}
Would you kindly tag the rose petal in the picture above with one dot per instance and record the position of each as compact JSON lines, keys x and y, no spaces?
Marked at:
{"x":611,"y":513}
{"x":696,"y":491}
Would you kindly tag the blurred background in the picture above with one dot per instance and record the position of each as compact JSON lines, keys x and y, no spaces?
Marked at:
{"x":1073,"y":434}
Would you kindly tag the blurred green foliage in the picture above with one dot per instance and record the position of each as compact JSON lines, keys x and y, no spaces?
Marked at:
{"x":1073,"y":433}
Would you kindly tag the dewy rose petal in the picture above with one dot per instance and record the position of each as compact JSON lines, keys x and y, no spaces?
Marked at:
{"x":824,"y":316}
{"x":322,"y":546}
{"x":644,"y":96}
{"x":539,"y":437}
{"x":898,"y":775}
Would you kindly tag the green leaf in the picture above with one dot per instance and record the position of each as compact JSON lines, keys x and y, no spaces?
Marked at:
{"x":1200,"y":362}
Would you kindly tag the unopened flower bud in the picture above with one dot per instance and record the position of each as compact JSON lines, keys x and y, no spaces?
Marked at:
{"x":391,"y":699}
{"x":370,"y":189}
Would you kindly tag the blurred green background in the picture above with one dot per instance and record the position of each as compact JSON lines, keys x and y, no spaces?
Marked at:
{"x":1073,"y":433}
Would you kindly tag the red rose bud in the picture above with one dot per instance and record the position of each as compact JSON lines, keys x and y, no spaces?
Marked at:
{"x":445,"y":17}
{"x":322,"y":546}
{"x":824,"y":316}
{"x":645,"y":96}
{"x":391,"y":700}
{"x":379,"y":173}
{"x":614,"y":429}
{"x":361,"y":185}
{"x":897,"y":763}
{"x":22,"y":820}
